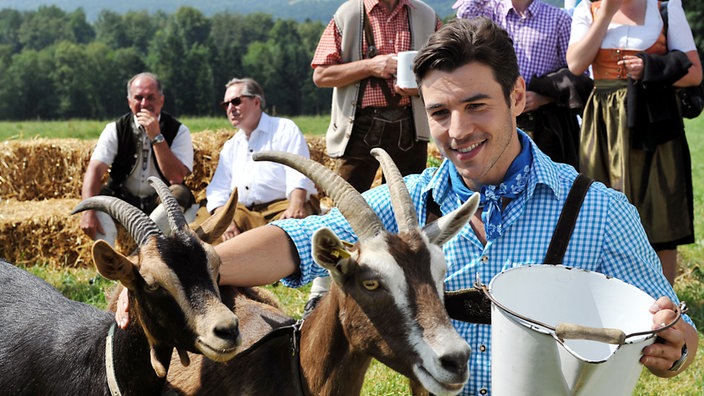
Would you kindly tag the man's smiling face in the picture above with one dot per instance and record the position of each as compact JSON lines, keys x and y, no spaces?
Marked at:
{"x":471,"y":121}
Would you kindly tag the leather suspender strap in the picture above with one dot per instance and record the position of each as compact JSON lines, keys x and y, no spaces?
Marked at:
{"x":391,"y":98}
{"x":471,"y":305}
{"x":368,"y":35}
{"x":568,"y":217}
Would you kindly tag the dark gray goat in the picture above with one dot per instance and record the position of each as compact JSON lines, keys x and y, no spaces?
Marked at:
{"x":50,"y":345}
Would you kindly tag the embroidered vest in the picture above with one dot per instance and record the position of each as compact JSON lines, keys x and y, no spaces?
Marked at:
{"x":349,"y":21}
{"x":128,"y":146}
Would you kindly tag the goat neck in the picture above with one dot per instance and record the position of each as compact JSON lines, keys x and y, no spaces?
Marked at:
{"x":390,"y":304}
{"x":330,"y":364}
{"x":132,"y":353}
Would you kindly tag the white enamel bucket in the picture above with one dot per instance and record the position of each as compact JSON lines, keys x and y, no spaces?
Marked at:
{"x":562,"y":331}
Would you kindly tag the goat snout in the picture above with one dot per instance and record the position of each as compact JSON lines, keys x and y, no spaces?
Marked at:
{"x":227,"y":331}
{"x":456,"y":362}
{"x":222,"y":337}
{"x":447,"y":371}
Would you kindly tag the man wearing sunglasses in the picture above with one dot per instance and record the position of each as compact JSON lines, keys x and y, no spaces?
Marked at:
{"x":267,"y":191}
{"x":144,"y":142}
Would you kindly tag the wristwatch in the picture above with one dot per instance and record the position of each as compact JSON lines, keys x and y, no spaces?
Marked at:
{"x":682,"y":360}
{"x":157,"y":139}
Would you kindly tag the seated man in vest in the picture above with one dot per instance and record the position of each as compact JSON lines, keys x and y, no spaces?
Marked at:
{"x":266,"y":190}
{"x":144,"y":142}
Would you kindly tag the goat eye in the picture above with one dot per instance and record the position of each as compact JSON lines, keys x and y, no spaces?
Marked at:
{"x":152,"y":287}
{"x":370,"y":284}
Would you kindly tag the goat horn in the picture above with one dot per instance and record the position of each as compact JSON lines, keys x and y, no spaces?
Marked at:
{"x":401,"y":200}
{"x":359,"y":214}
{"x":173,"y":210}
{"x":137,"y":224}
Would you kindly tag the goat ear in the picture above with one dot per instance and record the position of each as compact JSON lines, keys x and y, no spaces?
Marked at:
{"x":214,"y":226}
{"x":112,"y":264}
{"x":332,"y":254}
{"x":446,"y":227}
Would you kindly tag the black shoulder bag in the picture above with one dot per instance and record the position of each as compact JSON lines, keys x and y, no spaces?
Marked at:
{"x":691,"y":99}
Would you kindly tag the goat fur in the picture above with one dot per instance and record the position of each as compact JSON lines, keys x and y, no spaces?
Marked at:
{"x":51,"y":345}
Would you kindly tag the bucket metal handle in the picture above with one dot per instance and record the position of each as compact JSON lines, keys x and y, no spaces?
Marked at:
{"x":571,"y":331}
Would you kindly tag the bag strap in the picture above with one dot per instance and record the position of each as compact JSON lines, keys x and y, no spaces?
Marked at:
{"x":662,"y":5}
{"x":568,"y":217}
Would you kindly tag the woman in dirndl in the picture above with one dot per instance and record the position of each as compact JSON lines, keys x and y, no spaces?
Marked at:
{"x":632,"y":136}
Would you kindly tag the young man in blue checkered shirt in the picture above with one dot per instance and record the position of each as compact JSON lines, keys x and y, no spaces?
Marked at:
{"x":469,"y":81}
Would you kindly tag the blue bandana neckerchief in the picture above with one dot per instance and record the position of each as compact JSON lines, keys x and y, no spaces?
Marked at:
{"x":514,"y":184}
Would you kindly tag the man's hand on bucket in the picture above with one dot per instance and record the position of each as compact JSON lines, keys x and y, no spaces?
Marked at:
{"x":660,"y":356}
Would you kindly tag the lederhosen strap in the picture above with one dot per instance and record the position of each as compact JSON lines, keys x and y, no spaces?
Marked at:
{"x":568,"y":217}
{"x":391,"y":98}
{"x":471,"y":305}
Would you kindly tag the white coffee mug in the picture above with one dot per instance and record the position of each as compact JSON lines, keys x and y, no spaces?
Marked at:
{"x":404,"y":69}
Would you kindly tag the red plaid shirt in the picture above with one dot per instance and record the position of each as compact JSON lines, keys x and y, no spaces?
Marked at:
{"x":392,"y":34}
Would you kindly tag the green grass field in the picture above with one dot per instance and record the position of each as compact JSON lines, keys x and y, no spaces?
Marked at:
{"x":90,"y":129}
{"x":86,"y":285}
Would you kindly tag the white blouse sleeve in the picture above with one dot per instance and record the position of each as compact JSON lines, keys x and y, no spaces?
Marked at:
{"x":679,"y":34}
{"x":581,"y":21}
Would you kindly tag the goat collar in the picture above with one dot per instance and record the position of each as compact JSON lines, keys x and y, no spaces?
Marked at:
{"x":294,"y":333}
{"x":109,"y":365}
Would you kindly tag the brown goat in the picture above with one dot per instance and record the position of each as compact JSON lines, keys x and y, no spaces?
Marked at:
{"x":385,"y":303}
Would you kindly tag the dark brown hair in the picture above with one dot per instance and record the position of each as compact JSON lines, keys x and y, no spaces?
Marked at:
{"x":463,"y":41}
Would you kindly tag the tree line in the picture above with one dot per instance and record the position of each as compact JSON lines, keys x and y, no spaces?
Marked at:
{"x":57,"y":65}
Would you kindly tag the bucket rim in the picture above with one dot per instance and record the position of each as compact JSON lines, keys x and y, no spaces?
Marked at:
{"x":564,"y":331}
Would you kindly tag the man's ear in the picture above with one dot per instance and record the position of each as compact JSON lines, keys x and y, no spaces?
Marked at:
{"x":518,"y":97}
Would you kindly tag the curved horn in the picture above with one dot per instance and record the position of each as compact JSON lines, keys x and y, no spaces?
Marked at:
{"x":401,"y":200}
{"x":444,"y":228}
{"x":173,"y":210}
{"x":359,"y":214}
{"x":137,"y":224}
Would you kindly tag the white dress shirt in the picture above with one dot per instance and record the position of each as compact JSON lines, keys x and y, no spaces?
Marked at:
{"x":259,"y":182}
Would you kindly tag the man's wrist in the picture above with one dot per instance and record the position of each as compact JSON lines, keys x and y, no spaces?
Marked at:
{"x":158,"y":139}
{"x":677,"y":365}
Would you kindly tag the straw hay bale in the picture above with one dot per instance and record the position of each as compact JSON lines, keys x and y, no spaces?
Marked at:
{"x":206,"y":152}
{"x":40,"y":183}
{"x":43,"y":168}
{"x":43,"y":232}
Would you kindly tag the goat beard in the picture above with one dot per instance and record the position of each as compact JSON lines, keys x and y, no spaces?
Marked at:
{"x":159,"y":367}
